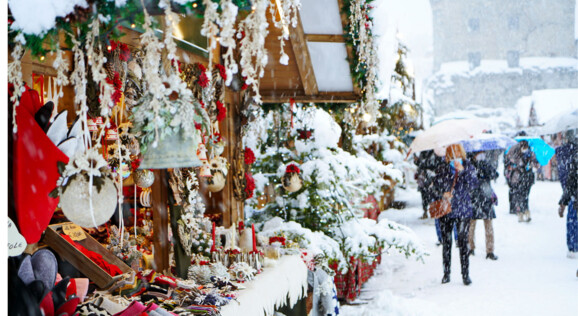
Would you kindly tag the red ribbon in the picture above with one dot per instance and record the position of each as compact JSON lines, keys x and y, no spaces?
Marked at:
{"x":40,"y":81}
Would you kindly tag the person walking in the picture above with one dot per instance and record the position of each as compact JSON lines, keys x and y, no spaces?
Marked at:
{"x":457,"y":174}
{"x":518,"y":164}
{"x":426,"y":164}
{"x":567,"y":156}
{"x":483,"y":200}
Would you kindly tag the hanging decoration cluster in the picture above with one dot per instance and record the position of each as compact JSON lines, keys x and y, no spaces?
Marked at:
{"x":365,"y":66}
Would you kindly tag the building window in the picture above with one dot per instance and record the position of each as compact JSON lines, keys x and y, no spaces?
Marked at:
{"x":513,"y":57}
{"x":474,"y":59}
{"x":513,"y":23}
{"x":473,"y":25}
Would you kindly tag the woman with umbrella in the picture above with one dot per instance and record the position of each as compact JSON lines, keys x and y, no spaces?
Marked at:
{"x":454,"y":181}
{"x":518,"y":164}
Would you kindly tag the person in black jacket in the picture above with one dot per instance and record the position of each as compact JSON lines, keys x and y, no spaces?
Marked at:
{"x":483,"y":200}
{"x":518,"y":164}
{"x":426,"y":163}
{"x":570,"y":193}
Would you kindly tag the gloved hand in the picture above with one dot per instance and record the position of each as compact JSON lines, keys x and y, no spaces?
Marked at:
{"x":561,"y":210}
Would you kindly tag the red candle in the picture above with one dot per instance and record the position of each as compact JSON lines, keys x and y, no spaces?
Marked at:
{"x":213,"y":246}
{"x":254,"y":240}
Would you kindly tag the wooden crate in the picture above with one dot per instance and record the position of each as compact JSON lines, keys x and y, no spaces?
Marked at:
{"x":80,"y":261}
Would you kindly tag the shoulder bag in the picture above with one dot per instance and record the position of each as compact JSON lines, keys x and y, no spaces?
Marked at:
{"x":442,"y":207}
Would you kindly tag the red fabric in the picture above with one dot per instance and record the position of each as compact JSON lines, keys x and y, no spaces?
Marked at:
{"x":35,"y":170}
{"x":95,"y":257}
{"x":47,"y":305}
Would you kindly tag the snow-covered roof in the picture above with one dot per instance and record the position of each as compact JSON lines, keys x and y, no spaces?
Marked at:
{"x":501,"y":66}
{"x":547,"y":104}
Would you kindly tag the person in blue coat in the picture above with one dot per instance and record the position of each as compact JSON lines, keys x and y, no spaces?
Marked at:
{"x":566,"y":155}
{"x":459,"y":168}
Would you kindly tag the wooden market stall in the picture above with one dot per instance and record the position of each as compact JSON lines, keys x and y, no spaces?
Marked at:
{"x":318,"y":70}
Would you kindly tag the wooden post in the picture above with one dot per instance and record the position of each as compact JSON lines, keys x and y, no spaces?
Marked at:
{"x":160,"y":220}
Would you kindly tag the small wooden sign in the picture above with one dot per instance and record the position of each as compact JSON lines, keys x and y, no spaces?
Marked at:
{"x":16,"y":242}
{"x":74,"y":231}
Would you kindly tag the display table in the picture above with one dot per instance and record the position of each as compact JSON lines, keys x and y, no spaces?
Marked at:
{"x":271,"y":289}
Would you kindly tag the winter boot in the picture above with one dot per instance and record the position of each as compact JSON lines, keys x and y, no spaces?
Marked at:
{"x":527,"y":215}
{"x":520,"y":217}
{"x":467,"y":280}
{"x":446,"y":278}
{"x":491,"y":256}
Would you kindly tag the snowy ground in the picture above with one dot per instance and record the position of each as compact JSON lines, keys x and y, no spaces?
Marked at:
{"x":532,"y":276}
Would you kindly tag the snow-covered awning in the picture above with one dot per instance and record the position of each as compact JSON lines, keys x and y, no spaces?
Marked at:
{"x":547,"y":104}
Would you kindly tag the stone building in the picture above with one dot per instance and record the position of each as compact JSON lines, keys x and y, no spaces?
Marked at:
{"x":492,"y":52}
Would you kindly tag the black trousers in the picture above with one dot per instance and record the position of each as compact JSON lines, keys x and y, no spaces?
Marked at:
{"x":463,"y":226}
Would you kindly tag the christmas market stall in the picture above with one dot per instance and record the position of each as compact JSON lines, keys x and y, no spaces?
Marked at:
{"x":184,"y":157}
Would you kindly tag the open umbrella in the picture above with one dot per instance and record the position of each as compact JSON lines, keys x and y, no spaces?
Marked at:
{"x":561,"y":122}
{"x":541,"y":149}
{"x":484,"y":142}
{"x":446,"y":133}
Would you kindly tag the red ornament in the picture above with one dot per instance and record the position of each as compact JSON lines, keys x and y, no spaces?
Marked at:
{"x":221,"y":111}
{"x":198,"y":126}
{"x":250,"y":187}
{"x":292,"y":168}
{"x":203,"y":80}
{"x":117,"y":85}
{"x":124,"y":50}
{"x":249,"y":156}
{"x":222,"y":71}
{"x":201,"y":67}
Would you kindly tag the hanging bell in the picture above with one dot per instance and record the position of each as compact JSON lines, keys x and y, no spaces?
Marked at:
{"x":174,"y":151}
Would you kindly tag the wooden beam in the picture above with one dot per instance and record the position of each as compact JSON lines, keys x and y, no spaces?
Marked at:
{"x":350,"y":55}
{"x":331,"y":38}
{"x":161,"y":242}
{"x":339,"y":97}
{"x":303,"y":59}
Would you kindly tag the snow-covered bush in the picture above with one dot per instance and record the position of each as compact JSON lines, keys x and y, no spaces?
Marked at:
{"x":327,"y":210}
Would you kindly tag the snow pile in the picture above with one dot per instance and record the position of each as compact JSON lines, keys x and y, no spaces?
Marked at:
{"x":39,"y":16}
{"x":386,"y":303}
{"x":316,"y":243}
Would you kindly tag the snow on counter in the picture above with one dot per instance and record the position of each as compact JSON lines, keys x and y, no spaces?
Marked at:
{"x":270,"y":289}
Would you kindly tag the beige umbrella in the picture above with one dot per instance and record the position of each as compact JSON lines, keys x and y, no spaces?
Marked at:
{"x":446,"y":133}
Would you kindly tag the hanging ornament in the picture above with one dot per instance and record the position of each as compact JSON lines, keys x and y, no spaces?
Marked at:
{"x":291,"y":180}
{"x":143,"y":178}
{"x":205,"y":170}
{"x":88,"y":194}
{"x":202,"y":152}
{"x":219,"y":168}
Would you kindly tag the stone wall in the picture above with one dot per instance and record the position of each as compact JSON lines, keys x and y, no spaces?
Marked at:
{"x":496,"y":29}
{"x":500,"y":89}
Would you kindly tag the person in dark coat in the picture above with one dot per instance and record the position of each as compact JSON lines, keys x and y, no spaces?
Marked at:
{"x":426,"y":163}
{"x":567,"y":156}
{"x":459,"y":168}
{"x":483,"y":200}
{"x":519,"y":163}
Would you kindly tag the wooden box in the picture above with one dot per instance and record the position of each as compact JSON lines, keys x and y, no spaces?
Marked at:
{"x":79,"y":260}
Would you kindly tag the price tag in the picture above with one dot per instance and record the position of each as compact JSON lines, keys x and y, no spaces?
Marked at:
{"x":74,"y":231}
{"x":16,"y":242}
{"x":98,"y":120}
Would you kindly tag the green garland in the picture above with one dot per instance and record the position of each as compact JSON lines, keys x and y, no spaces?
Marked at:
{"x":358,"y":68}
{"x":131,"y":14}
